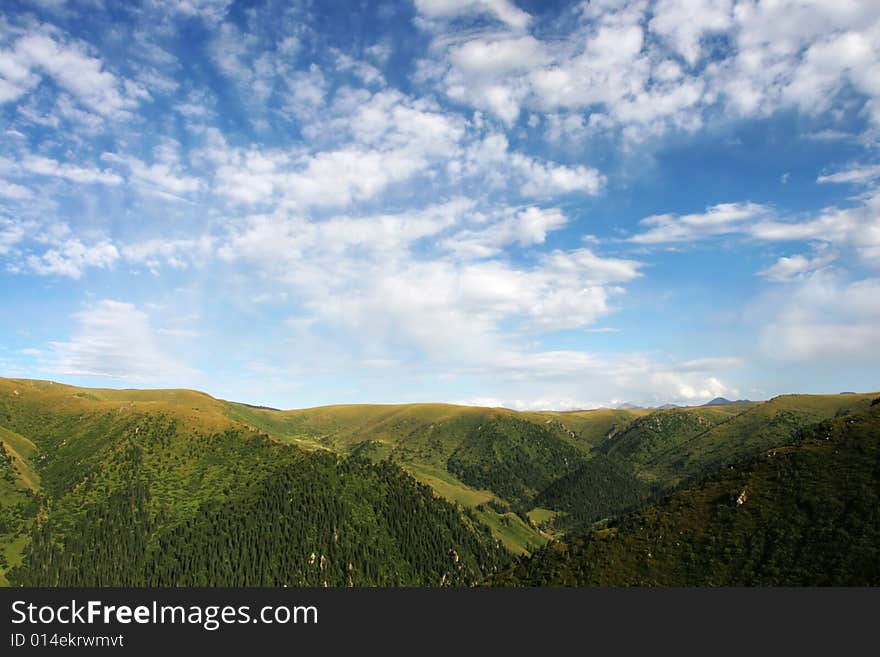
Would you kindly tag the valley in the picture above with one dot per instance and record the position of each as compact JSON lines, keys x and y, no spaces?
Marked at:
{"x":168,"y":487}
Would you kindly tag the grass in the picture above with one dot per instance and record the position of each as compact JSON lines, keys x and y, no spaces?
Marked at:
{"x":542,"y":516}
{"x":446,"y":485}
{"x":663,"y":447}
{"x":515,"y":535}
{"x":22,"y":452}
{"x":593,"y":427}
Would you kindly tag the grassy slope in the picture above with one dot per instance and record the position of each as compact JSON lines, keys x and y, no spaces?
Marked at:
{"x":811,"y":516}
{"x":22,"y":451}
{"x":180,"y":445}
{"x":591,"y":428}
{"x":423,"y":438}
{"x":659,"y":448}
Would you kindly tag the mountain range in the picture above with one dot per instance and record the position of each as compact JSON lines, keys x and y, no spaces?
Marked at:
{"x":174,"y":487}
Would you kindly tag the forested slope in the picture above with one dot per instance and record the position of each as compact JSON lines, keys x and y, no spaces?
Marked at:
{"x":802,"y":514}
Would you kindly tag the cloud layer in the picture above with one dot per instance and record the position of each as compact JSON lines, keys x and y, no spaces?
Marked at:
{"x":466,"y":199}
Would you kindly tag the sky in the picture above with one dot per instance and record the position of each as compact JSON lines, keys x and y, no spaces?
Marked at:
{"x":526,"y":204}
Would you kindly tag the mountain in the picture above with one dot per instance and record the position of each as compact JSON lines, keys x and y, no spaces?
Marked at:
{"x":667,"y":406}
{"x":803,"y":514}
{"x":492,"y":460}
{"x":721,"y":401}
{"x":161,"y":486}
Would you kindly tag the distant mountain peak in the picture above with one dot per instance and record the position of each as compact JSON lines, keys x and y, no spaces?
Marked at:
{"x":721,"y":401}
{"x":668,"y":406}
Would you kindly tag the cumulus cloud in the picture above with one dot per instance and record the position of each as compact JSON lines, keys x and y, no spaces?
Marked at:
{"x":12,"y":232}
{"x":525,"y":227}
{"x":72,"y":257}
{"x":490,"y":158}
{"x":796,"y":267}
{"x":428,"y":227}
{"x":42,"y":53}
{"x":53,"y":249}
{"x":620,"y":64}
{"x":379,"y":278}
{"x":684,"y":23}
{"x":12,"y":191}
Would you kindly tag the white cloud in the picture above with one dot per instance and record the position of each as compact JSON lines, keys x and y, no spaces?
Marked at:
{"x":45,"y":166}
{"x":824,"y":319}
{"x":166,"y":177}
{"x":525,"y":228}
{"x":379,"y":140}
{"x":490,"y":158}
{"x":306,"y":92}
{"x":88,"y":122}
{"x":573,"y":380}
{"x":54,"y":249}
{"x":349,"y":174}
{"x":364,"y":71}
{"x":484,"y":57}
{"x":796,"y":267}
{"x":376,"y":278}
{"x":683,"y":23}
{"x":115,"y":340}
{"x":856,"y":228}
{"x":72,"y":257}
{"x":37,"y":54}
{"x":720,"y":219}
{"x":862,"y":175}
{"x":209,"y":10}
{"x":12,"y":232}
{"x":176,"y":253}
{"x":504,"y":10}
{"x":800,"y":55}
{"x":549,"y":179}
{"x":12,"y":191}
{"x":281,"y":243}
{"x":621,"y":63}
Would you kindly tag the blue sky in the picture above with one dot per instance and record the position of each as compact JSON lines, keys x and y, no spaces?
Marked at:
{"x":529,"y":204}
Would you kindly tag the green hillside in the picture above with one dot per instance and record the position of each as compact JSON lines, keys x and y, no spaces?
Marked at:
{"x":598,"y":489}
{"x":468,"y":455}
{"x":407,"y":494}
{"x":19,"y":483}
{"x":670,"y":446}
{"x":165,"y":490}
{"x":664,"y":448}
{"x":803,"y":514}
